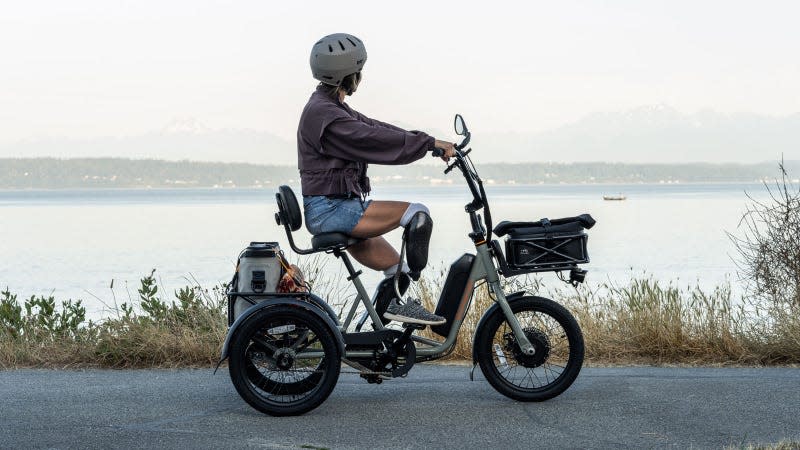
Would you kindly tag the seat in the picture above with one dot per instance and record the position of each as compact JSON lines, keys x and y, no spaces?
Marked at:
{"x":326,"y":241}
{"x":290,"y":216}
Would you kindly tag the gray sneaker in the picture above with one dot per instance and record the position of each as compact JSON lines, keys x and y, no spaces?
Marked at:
{"x":412,"y":312}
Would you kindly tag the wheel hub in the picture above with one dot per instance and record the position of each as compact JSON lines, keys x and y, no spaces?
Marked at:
{"x":540,"y":343}
{"x":284,"y":358}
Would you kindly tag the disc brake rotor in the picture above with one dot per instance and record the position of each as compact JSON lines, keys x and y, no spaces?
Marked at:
{"x":541,"y":345}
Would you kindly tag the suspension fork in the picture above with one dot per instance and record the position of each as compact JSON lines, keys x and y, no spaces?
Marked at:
{"x":493,"y":280}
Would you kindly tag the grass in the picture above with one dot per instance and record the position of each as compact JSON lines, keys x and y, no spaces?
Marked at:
{"x":649,"y":322}
{"x":642,"y":322}
{"x":148,"y":332}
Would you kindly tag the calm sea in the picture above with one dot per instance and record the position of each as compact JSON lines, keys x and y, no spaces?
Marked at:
{"x":74,"y":243}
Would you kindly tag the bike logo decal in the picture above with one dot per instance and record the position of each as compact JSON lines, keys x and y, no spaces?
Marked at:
{"x":281,"y":329}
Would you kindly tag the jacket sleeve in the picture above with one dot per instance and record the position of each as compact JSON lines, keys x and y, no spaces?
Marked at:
{"x":376,"y":123}
{"x":373,"y":142}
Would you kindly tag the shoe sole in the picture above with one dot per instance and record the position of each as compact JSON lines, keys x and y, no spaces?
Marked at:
{"x":405,"y":319}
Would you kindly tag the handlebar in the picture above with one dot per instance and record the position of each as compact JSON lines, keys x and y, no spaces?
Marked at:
{"x":474,"y":183}
{"x":438,"y":152}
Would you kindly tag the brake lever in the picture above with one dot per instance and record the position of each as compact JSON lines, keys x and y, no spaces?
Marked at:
{"x":453,"y":165}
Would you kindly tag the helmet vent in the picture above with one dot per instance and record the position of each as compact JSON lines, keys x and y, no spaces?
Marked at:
{"x":351,"y":41}
{"x":330,"y":49}
{"x":341,"y":45}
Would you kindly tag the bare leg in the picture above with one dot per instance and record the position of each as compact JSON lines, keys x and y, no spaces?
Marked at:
{"x":379,"y":218}
{"x":375,"y":253}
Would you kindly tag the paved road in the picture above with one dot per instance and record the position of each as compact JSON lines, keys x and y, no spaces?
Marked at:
{"x":435,"y":407}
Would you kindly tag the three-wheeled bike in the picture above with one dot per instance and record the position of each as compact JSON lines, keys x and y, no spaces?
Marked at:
{"x":286,"y":350}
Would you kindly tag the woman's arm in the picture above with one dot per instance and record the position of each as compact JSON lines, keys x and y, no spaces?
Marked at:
{"x":374,"y":142}
{"x":374,"y":122}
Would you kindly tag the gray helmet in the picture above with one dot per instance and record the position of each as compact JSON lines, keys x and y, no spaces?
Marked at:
{"x":336,"y":56}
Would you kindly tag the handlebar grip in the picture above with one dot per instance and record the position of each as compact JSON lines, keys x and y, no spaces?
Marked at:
{"x":437,"y":152}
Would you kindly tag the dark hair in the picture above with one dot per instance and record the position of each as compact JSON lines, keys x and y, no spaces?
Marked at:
{"x":349,"y":84}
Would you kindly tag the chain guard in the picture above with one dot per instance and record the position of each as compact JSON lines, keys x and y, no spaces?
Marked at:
{"x":395,"y":361}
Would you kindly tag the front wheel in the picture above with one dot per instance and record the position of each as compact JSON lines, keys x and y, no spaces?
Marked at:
{"x":547,"y":373}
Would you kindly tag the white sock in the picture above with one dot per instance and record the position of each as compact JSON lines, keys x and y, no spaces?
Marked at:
{"x":412,"y":209}
{"x":388,"y":273}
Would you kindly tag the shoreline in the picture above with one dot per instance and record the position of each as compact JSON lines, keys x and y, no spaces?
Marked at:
{"x":393,"y":185}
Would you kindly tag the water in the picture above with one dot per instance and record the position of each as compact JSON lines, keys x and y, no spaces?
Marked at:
{"x":73,"y":243}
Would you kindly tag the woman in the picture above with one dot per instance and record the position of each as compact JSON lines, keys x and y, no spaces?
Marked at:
{"x":335,"y":144}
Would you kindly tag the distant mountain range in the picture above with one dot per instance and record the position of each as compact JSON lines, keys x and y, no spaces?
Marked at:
{"x":648,"y":134}
{"x":181,"y":139}
{"x":657,"y":134}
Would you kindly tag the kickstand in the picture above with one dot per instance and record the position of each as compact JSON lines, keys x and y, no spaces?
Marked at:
{"x":472,"y":372}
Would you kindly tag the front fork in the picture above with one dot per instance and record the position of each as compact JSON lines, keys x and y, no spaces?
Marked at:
{"x":494,"y":288}
{"x":499,"y":297}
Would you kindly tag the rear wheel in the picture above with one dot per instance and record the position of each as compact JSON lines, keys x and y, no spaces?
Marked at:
{"x":284,"y":361}
{"x":547,"y":373}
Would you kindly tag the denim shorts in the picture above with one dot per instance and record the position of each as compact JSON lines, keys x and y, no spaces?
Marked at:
{"x":329,"y":215}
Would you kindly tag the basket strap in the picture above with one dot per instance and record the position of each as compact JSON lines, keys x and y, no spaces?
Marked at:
{"x":546,"y":225}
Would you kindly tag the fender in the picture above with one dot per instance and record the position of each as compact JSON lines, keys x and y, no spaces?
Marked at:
{"x":510,"y":298}
{"x":324,"y":305}
{"x":310,"y":303}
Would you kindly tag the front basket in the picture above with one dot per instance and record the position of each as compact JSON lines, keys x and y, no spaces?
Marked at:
{"x":546,"y":245}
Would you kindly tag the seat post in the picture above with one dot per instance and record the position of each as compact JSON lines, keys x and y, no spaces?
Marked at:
{"x":349,"y":265}
{"x":362,"y":296}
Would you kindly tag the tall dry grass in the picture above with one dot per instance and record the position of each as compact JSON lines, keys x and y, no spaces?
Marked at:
{"x":648,"y":322}
{"x":641,"y":322}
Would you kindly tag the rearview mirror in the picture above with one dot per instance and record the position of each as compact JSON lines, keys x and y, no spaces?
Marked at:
{"x":460,"y":126}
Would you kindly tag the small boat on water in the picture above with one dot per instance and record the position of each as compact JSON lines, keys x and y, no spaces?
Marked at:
{"x":617,"y":197}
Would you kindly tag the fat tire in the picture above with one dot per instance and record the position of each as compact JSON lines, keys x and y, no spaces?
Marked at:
{"x":484,"y":337}
{"x":297,"y":387}
{"x":241,"y":369}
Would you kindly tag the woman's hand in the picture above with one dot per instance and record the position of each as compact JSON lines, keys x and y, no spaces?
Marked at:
{"x":448,"y":147}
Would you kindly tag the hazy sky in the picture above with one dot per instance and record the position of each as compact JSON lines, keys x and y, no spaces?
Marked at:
{"x":85,"y":68}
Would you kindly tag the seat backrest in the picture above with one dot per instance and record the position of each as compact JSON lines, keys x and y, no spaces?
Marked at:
{"x":288,"y":208}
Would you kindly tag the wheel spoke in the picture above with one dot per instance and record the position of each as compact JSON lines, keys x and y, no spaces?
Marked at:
{"x":311,"y":341}
{"x":300,"y":340}
{"x":264,"y":343}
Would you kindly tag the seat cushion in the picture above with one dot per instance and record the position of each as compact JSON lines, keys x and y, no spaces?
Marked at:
{"x":331,"y":240}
